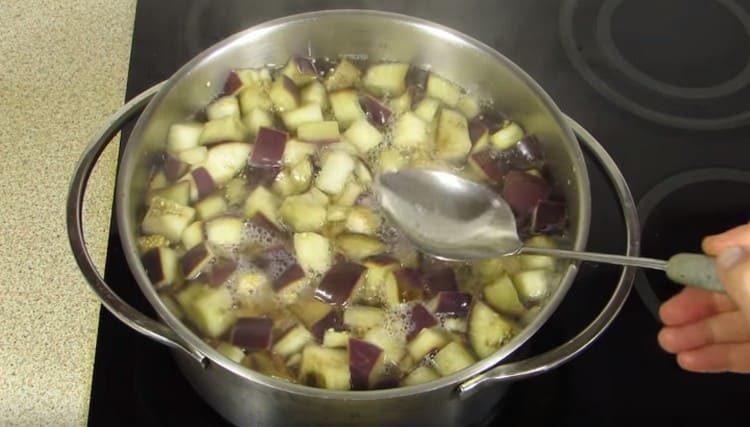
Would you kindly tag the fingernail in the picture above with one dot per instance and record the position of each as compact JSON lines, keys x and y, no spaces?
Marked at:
{"x":730,"y":257}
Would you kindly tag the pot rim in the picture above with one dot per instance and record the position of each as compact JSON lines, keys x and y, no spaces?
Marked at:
{"x":194,"y":342}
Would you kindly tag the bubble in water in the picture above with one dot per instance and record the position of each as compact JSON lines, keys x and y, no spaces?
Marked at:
{"x":397,"y":321}
{"x":255,"y":234}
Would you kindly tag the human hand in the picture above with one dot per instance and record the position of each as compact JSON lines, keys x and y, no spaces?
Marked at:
{"x":708,"y":331}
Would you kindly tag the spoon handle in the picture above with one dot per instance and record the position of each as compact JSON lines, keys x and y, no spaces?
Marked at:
{"x":687,"y":269}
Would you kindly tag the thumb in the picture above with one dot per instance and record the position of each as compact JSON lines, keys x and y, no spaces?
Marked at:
{"x":733,"y":264}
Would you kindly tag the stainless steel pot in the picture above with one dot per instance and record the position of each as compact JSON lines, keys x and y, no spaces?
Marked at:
{"x":246,"y":397}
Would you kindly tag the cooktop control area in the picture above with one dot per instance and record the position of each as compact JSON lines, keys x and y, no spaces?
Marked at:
{"x":664,"y":86}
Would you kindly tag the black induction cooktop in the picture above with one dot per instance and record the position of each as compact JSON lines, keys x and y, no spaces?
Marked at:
{"x":663,"y":85}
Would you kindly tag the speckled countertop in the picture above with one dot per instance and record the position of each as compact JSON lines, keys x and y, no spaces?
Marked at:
{"x":63,"y":70}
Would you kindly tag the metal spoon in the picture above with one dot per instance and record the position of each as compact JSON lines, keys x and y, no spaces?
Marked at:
{"x":453,"y":218}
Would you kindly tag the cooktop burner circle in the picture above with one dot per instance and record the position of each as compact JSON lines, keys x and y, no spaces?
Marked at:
{"x":614,"y":55}
{"x":586,"y":33}
{"x":673,"y":222}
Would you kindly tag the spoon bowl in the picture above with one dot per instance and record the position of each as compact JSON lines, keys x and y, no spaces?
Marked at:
{"x":455,"y":219}
{"x":449,"y":217}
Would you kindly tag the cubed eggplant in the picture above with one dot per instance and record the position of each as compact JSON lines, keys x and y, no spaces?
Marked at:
{"x":226,"y":160}
{"x":195,"y":260}
{"x":211,"y":207}
{"x":549,"y":217}
{"x":442,"y":89}
{"x":183,"y":136}
{"x":453,"y":358}
{"x":269,"y":147}
{"x":453,"y":304}
{"x":346,"y":108}
{"x":293,"y":274}
{"x":292,"y":341}
{"x":376,"y":111}
{"x":284,"y":94}
{"x":325,"y":367}
{"x":419,"y":318}
{"x":336,"y":339}
{"x":232,"y":84}
{"x":310,"y":113}
{"x":488,"y":331}
{"x":317,"y":316}
{"x":501,"y":294}
{"x":362,"y":318}
{"x":392,"y":343}
{"x":224,"y":106}
{"x":178,"y":193}
{"x":167,"y":218}
{"x":254,"y":97}
{"x":386,"y":78}
{"x":229,"y":128}
{"x":523,"y":191}
{"x":489,"y":166}
{"x":313,"y":252}
{"x":344,"y":76}
{"x":338,"y":284}
{"x":224,"y":231}
{"x":452,"y":142}
{"x":300,"y":69}
{"x":410,"y":282}
{"x":421,"y":375}
{"x":410,"y":131}
{"x":507,"y":136}
{"x":365,"y":363}
{"x":220,"y":271}
{"x":359,"y":246}
{"x":262,"y":201}
{"x":428,"y":341}
{"x":335,"y":171}
{"x":160,"y":264}
{"x":252,"y":333}
{"x":363,"y":135}
{"x":440,"y":280}
{"x":174,"y":168}
{"x":526,"y":154}
{"x":325,"y":132}
{"x":316,"y":93}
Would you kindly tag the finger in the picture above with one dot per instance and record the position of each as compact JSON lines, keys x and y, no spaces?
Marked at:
{"x":738,"y":236}
{"x":733,"y":266}
{"x":693,"y":304}
{"x":717,"y":358}
{"x":722,"y":328}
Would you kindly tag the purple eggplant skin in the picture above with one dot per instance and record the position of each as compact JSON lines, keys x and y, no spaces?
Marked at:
{"x":293,"y":273}
{"x":232,"y":83}
{"x":337,"y":286}
{"x":453,"y":304}
{"x":523,"y":191}
{"x":203,"y":182}
{"x":363,"y":357}
{"x":193,"y":259}
{"x":491,"y":164}
{"x":220,"y":271}
{"x":333,"y":320}
{"x":377,"y":112}
{"x":477,"y":128}
{"x":252,"y":333}
{"x":549,"y":217}
{"x":443,"y":279}
{"x":174,"y":168}
{"x":419,"y":318}
{"x":269,"y":147}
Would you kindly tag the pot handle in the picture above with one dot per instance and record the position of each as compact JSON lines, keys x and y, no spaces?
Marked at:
{"x":546,"y":361}
{"x":119,"y":308}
